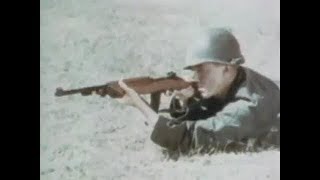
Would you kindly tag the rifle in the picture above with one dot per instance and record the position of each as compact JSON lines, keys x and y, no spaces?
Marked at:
{"x":142,"y":85}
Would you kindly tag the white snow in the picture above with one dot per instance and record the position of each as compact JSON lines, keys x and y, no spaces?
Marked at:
{"x":90,"y":42}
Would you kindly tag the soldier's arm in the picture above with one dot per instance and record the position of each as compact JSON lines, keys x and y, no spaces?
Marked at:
{"x":233,"y":122}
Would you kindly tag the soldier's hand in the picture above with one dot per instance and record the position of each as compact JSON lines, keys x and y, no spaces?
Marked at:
{"x":184,"y":94}
{"x":131,"y":97}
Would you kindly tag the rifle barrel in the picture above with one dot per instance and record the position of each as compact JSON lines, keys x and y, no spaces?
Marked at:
{"x":84,"y":91}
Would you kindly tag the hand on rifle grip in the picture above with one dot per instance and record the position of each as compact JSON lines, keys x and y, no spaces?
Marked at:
{"x":184,"y":94}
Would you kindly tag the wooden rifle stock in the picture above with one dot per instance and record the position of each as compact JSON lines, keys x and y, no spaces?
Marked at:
{"x":142,"y":85}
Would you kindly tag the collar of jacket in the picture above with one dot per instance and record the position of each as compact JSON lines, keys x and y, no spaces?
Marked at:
{"x":240,"y":78}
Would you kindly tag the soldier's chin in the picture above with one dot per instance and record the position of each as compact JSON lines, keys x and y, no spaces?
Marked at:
{"x":205,"y":94}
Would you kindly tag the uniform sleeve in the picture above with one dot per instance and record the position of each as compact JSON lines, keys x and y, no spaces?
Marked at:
{"x":233,"y":123}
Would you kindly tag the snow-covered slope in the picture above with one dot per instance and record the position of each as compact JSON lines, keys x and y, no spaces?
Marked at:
{"x":89,"y":42}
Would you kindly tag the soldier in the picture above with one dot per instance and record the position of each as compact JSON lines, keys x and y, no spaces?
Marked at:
{"x":238,"y":108}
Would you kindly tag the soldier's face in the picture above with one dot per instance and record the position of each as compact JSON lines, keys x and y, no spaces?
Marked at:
{"x":214,"y":79}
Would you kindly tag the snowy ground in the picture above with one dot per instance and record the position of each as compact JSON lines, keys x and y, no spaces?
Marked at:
{"x":89,"y":42}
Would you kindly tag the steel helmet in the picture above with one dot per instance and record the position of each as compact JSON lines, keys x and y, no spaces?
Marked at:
{"x":215,"y":45}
